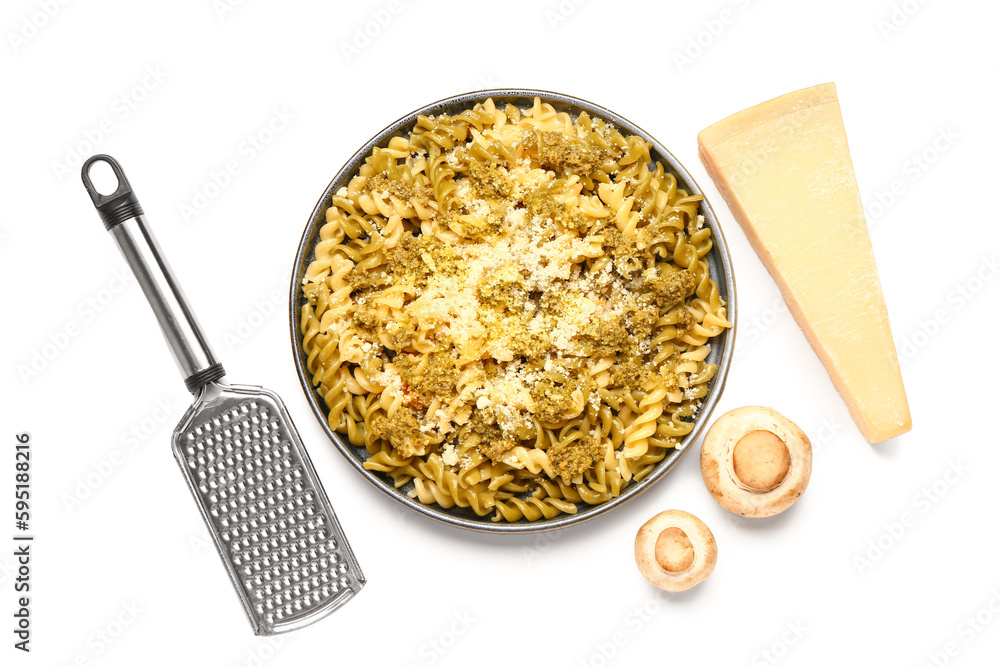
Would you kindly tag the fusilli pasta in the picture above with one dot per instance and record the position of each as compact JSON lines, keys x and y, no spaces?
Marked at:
{"x":511,"y":310}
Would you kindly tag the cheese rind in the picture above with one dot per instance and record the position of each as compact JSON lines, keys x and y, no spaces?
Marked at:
{"x":785,"y":170}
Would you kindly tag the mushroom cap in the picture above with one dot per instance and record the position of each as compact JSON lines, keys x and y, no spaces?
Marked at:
{"x":769,"y":480}
{"x":692,"y":551}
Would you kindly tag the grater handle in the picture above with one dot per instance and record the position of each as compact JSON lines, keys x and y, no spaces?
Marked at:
{"x":123,"y":217}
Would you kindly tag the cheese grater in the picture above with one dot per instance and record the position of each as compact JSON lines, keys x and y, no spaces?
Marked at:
{"x":243,"y":460}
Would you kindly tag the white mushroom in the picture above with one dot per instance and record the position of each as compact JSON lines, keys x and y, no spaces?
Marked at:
{"x":755,"y":461}
{"x":675,"y":550}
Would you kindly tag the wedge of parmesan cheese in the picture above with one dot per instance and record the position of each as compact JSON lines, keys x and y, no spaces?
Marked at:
{"x":785,"y":170}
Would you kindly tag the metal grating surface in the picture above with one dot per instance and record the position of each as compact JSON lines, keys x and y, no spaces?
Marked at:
{"x":272,"y":529}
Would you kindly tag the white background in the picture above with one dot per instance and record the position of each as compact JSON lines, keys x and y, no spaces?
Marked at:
{"x":855,"y":586}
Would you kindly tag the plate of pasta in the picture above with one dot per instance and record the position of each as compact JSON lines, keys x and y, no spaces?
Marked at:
{"x":512,"y":310}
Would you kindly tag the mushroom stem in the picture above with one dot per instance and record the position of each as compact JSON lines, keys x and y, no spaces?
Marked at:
{"x":674,"y":552}
{"x":761,"y":460}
